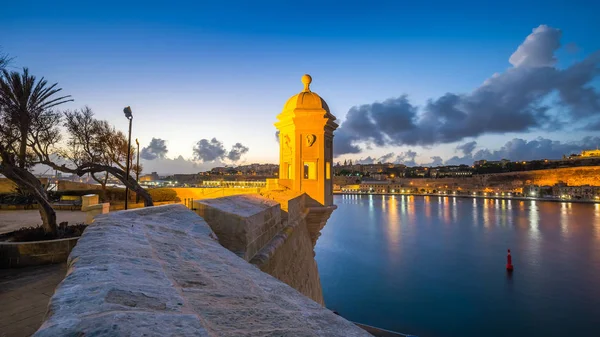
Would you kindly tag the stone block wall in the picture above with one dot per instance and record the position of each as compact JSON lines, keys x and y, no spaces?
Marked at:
{"x":159,"y":271}
{"x":199,"y":193}
{"x":65,"y":185}
{"x":271,"y":232}
{"x":243,"y":224}
{"x":293,"y":262}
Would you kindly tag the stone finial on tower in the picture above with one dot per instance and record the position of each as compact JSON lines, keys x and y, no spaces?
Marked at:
{"x":306,"y":80}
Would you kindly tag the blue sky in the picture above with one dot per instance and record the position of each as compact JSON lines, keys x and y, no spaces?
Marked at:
{"x":224,"y":69}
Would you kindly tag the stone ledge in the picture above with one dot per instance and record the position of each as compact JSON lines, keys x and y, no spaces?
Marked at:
{"x":35,"y":253}
{"x":159,"y":271}
{"x":244,"y":224}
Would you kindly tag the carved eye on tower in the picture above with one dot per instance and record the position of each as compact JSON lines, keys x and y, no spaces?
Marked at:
{"x":310,"y":140}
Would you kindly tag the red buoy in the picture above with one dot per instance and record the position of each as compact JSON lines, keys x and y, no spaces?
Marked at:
{"x":509,"y":265}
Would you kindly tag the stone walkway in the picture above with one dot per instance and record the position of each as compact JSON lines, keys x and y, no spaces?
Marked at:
{"x":24,"y":296}
{"x":13,"y":220}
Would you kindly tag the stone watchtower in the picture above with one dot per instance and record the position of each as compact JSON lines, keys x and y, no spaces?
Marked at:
{"x":306,"y":145}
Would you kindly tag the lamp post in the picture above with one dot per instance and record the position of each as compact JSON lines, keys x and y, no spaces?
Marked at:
{"x":128,"y":115}
{"x":137,"y":170}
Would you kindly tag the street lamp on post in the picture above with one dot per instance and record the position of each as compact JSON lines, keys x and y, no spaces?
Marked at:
{"x":128,"y":115}
{"x":137,"y":170}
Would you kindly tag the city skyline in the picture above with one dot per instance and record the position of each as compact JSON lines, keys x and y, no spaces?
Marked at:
{"x":402,"y":81}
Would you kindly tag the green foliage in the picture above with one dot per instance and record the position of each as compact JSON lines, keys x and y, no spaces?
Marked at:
{"x":110,"y":194}
{"x":16,"y":199}
{"x":163,"y":194}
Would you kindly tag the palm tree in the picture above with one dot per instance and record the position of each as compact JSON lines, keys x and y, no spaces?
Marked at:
{"x":4,"y":60}
{"x":26,"y":121}
{"x":24,"y":101}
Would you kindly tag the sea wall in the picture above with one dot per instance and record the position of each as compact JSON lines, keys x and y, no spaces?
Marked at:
{"x":159,"y":271}
{"x":573,"y":176}
{"x":271,"y":234}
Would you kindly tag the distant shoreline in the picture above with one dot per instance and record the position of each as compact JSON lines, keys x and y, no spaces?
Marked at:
{"x":585,"y":201}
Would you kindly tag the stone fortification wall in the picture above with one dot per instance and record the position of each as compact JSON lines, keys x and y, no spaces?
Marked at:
{"x":159,"y":271}
{"x":198,"y":193}
{"x":277,"y":241}
{"x":290,"y":257}
{"x":573,"y":176}
{"x":64,"y":185}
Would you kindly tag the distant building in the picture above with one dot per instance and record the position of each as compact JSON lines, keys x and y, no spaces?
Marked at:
{"x":150,"y":177}
{"x":590,"y":153}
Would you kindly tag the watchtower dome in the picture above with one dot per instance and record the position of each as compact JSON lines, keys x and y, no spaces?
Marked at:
{"x":306,"y":144}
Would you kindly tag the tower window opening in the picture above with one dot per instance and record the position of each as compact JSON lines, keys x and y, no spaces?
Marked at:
{"x":310,"y":170}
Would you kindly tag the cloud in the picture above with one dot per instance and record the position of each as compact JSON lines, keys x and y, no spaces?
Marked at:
{"x":407,"y":158}
{"x":207,"y":151}
{"x":213,"y":150}
{"x":167,"y":166}
{"x":436,"y":161}
{"x":386,"y":158}
{"x":156,"y":149}
{"x":527,"y":96}
{"x":467,"y":148}
{"x":519,"y":149}
{"x":237,"y":151}
{"x":538,"y":48}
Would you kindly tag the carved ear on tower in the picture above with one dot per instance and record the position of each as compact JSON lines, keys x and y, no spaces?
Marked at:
{"x":310,"y":140}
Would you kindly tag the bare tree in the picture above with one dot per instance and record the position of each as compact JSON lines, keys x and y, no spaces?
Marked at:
{"x":94,"y":147}
{"x":27,"y":123}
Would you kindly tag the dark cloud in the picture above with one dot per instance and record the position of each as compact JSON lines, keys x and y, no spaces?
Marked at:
{"x":207,"y":151}
{"x":237,"y":151}
{"x":517,"y":100}
{"x":156,"y":149}
{"x":213,"y":150}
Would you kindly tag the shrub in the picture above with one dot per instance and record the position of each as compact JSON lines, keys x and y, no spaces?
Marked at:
{"x":163,"y":194}
{"x":36,"y":233}
{"x":55,"y":195}
{"x":16,"y":199}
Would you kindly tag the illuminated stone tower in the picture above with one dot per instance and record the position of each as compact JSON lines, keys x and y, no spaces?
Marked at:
{"x":306,"y":145}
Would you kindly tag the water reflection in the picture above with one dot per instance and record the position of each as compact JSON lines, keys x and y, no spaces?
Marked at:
{"x":475,"y":212}
{"x":407,"y":254}
{"x":564,"y":218}
{"x":597,"y":220}
{"x":454,"y":209}
{"x":427,"y":207}
{"x":486,"y":216}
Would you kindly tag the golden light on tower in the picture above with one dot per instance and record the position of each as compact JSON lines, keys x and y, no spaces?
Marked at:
{"x":306,"y":144}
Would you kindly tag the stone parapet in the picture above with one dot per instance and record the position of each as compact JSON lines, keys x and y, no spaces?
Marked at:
{"x":271,"y":231}
{"x":243,"y":224}
{"x":159,"y":271}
